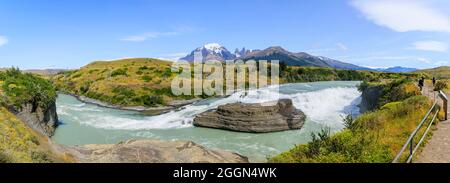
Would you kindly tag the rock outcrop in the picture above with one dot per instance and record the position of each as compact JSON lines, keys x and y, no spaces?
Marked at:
{"x":255,"y":118}
{"x":370,"y":97}
{"x":152,"y":151}
{"x":42,"y":120}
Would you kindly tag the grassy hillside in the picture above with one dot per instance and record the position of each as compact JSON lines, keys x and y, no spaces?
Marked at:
{"x":439,"y":72}
{"x":138,"y":82}
{"x":20,"y":144}
{"x":373,"y":137}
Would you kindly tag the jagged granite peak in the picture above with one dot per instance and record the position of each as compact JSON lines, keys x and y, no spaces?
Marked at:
{"x":242,"y":53}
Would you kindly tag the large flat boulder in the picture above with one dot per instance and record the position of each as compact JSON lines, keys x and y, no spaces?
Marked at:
{"x":255,"y":118}
{"x":152,"y":151}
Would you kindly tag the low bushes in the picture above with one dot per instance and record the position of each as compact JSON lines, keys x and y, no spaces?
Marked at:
{"x":395,"y":90}
{"x":19,"y":143}
{"x":19,"y":88}
{"x":440,"y":85}
{"x":373,"y":137}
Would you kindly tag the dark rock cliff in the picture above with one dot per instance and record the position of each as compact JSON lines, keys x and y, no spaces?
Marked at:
{"x":370,"y":97}
{"x":42,"y":120}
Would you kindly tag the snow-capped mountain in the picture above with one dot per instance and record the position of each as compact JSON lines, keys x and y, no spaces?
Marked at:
{"x":211,"y":51}
{"x":214,"y":51}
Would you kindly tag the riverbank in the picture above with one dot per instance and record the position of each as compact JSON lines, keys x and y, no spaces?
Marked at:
{"x":142,"y":109}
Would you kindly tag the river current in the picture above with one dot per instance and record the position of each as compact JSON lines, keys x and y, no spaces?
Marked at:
{"x":324,"y":103}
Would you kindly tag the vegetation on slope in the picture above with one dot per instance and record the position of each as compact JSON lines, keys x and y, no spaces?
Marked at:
{"x":375,"y":136}
{"x":17,"y":88}
{"x":392,"y":91}
{"x":17,"y":142}
{"x":439,"y":72}
{"x":128,"y":82}
{"x":442,"y":85}
{"x":372,"y":138}
{"x":313,"y":74}
{"x":20,"y":144}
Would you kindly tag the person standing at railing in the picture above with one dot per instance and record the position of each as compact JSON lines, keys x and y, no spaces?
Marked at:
{"x":421,"y":82}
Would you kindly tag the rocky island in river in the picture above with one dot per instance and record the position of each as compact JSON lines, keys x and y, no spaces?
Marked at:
{"x":256,"y":118}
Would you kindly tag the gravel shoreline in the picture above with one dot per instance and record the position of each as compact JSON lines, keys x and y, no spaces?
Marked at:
{"x":145,"y":110}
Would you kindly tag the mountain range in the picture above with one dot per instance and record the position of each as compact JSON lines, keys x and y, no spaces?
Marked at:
{"x":214,"y":51}
{"x":397,"y":69}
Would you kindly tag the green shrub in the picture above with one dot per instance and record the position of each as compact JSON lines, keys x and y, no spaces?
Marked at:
{"x":77,"y":75}
{"x":146,"y":78}
{"x":22,"y":88}
{"x":143,"y":68}
{"x":119,"y":72}
{"x":4,"y":158}
{"x":85,"y":87}
{"x":440,"y":85}
{"x":151,"y":101}
{"x":167,"y":72}
{"x":398,"y":90}
{"x":40,"y":157}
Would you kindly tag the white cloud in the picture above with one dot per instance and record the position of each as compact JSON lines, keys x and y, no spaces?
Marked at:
{"x":404,"y":15}
{"x":173,"y":56}
{"x":3,"y":40}
{"x":424,"y":60}
{"x":435,"y":46}
{"x":341,"y":46}
{"x":148,"y":35}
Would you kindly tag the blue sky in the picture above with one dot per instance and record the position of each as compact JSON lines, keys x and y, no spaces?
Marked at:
{"x":72,"y":33}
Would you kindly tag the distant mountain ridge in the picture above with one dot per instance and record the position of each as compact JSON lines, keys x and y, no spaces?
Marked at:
{"x":397,"y":69}
{"x":214,"y":51}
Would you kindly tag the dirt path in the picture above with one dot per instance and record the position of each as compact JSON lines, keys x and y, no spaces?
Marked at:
{"x":437,"y":150}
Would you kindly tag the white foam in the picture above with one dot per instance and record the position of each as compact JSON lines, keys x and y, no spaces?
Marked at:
{"x":328,"y":106}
